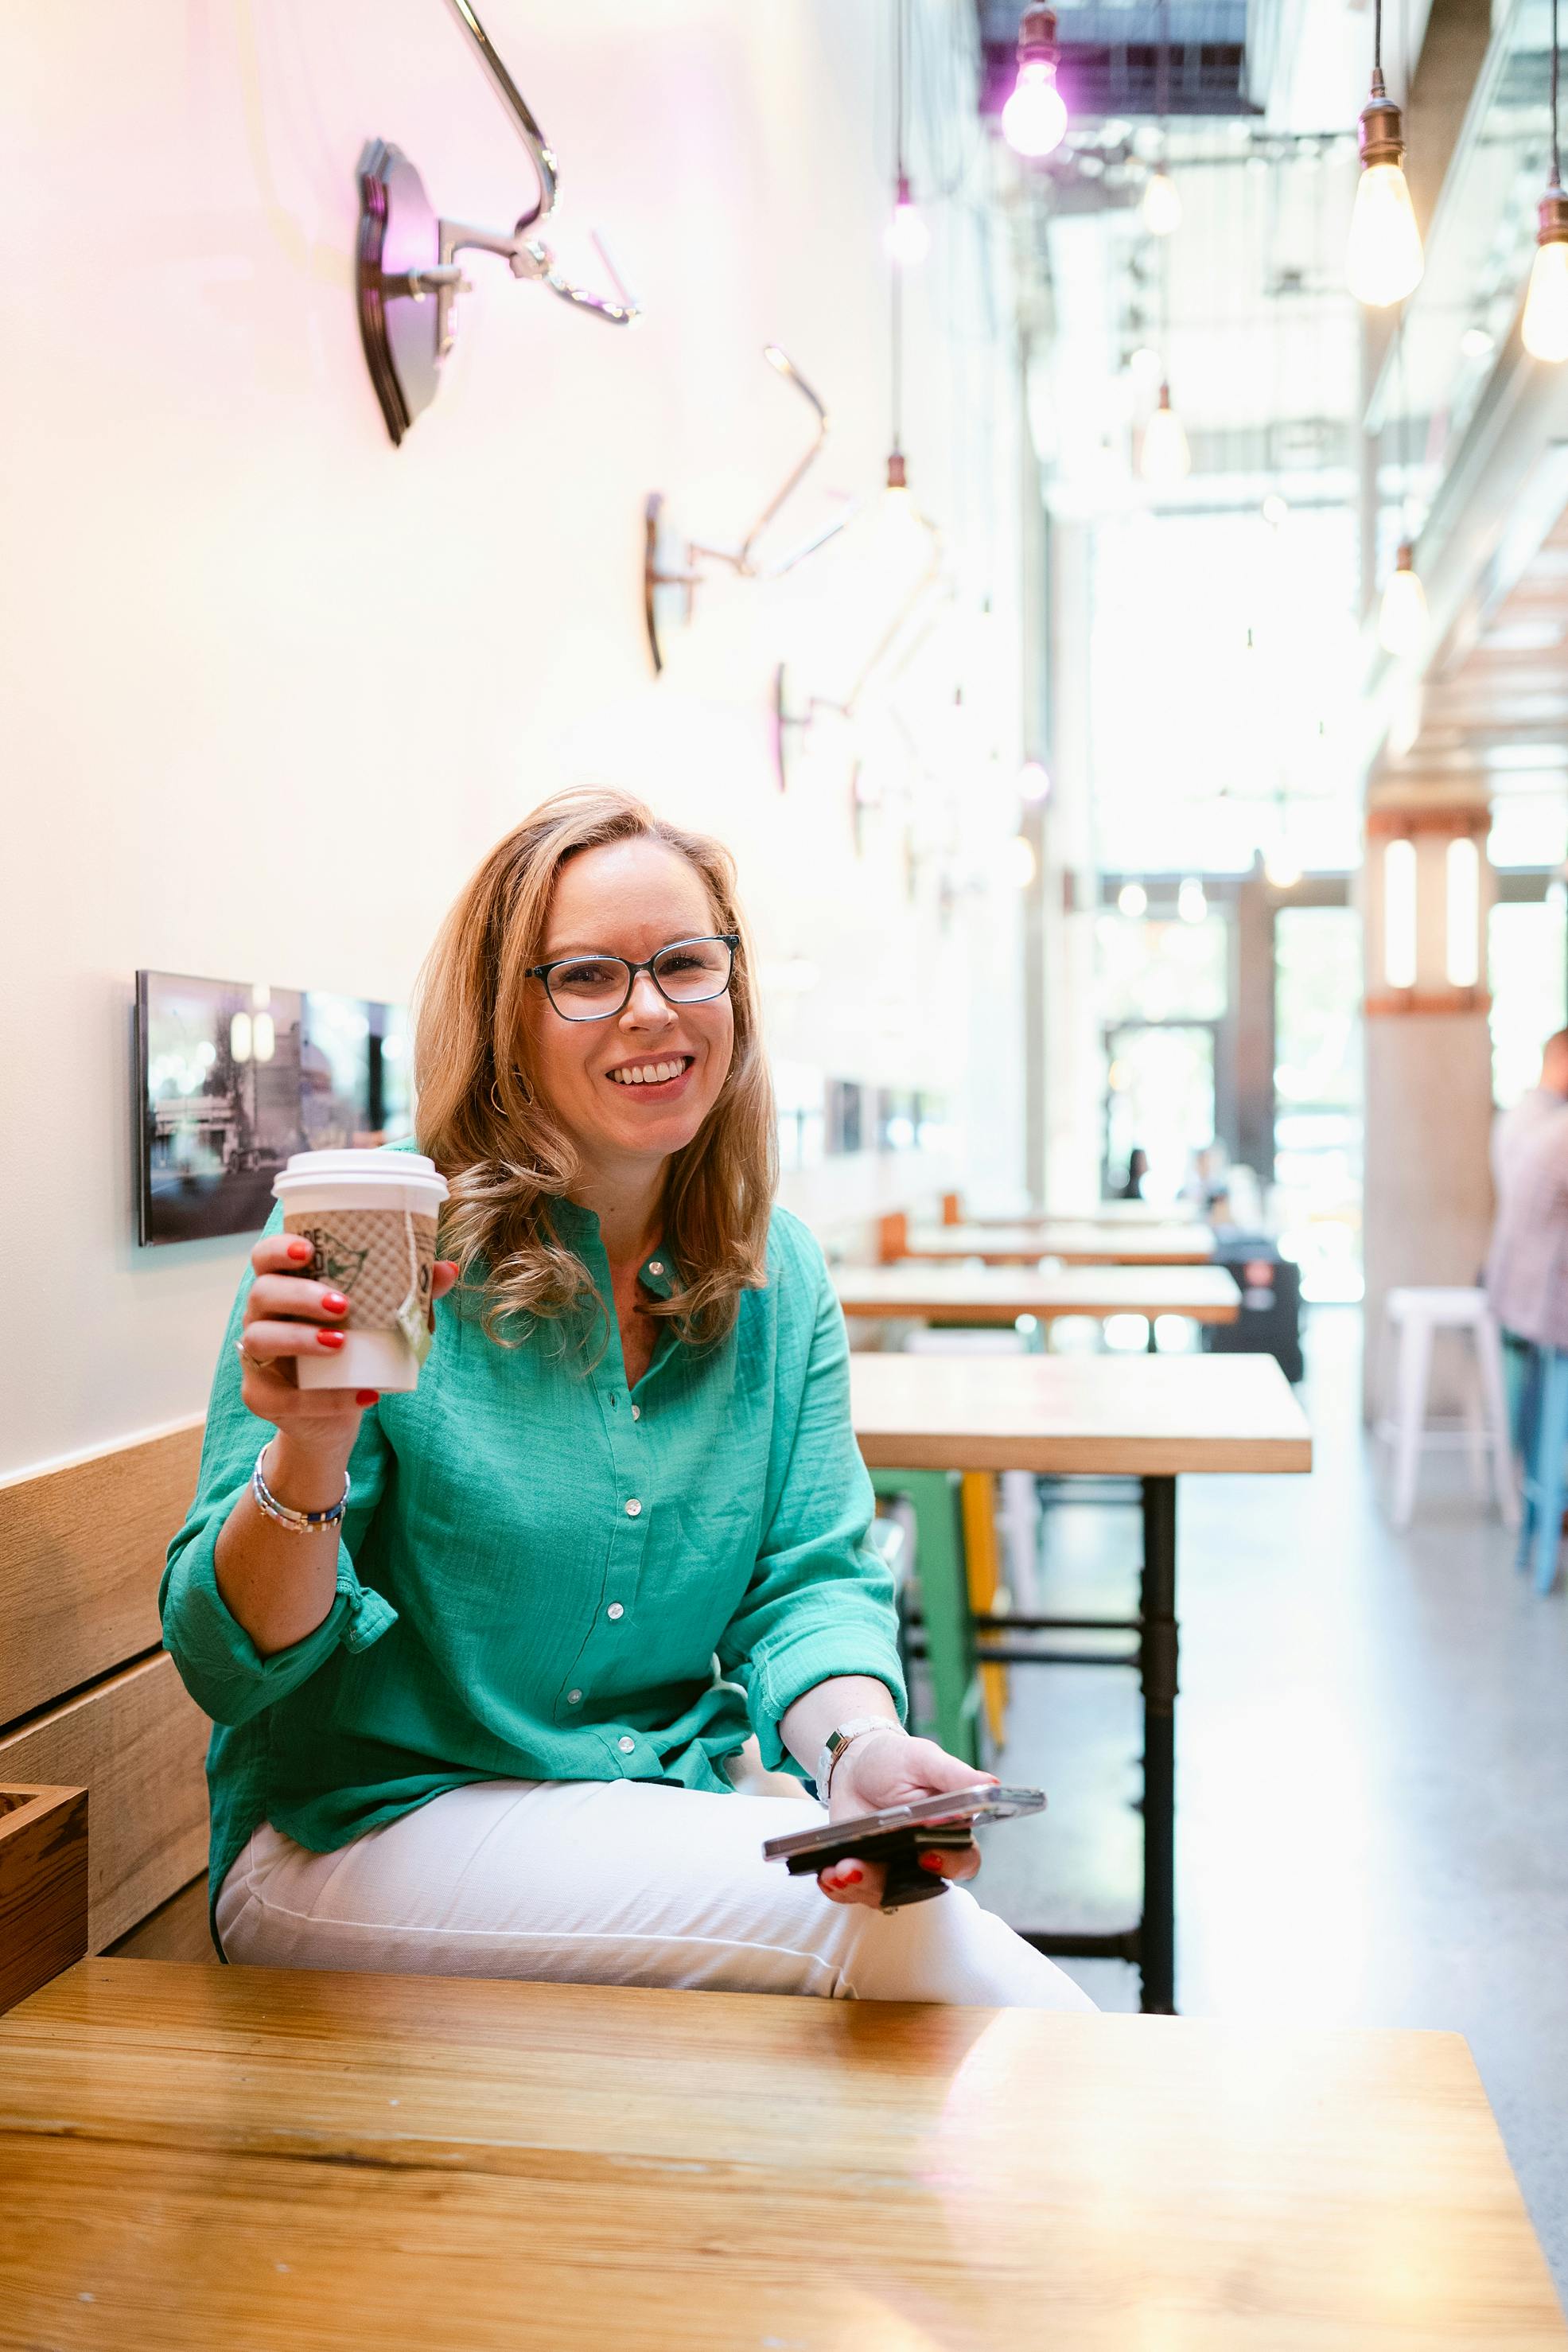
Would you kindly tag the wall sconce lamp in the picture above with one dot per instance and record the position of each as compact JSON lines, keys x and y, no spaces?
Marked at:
{"x":671,"y":564}
{"x":408,"y":256}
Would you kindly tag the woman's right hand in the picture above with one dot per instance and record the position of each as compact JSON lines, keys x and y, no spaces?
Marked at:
{"x":287,"y":1315}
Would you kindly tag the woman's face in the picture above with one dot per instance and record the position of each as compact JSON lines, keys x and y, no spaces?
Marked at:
{"x":630,"y":898}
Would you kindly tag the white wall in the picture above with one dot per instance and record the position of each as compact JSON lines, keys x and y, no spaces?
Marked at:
{"x":270,"y":686}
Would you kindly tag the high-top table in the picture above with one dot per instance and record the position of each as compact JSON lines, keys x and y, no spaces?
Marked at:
{"x":926,"y":1290}
{"x":268,"y":2158}
{"x":919,"y":1419}
{"x":1074,"y":1240}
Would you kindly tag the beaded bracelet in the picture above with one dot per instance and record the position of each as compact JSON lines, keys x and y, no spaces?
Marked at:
{"x":298,"y":1523}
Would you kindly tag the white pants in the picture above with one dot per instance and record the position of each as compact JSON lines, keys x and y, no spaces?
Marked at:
{"x":613,"y":1882}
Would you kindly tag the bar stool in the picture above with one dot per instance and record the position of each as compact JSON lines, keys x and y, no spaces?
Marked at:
{"x":1542,"y":1441}
{"x":1414,"y":1316}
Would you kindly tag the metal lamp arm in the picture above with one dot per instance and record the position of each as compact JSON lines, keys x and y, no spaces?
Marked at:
{"x":525,"y":248}
{"x":780,"y":361}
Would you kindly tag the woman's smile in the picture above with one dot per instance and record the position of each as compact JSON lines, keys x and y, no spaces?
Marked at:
{"x":656,"y":1076}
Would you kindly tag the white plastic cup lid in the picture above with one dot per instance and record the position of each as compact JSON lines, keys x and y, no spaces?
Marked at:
{"x":396,"y":1165}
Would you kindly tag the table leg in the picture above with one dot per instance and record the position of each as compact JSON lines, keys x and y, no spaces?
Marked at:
{"x":946,"y":1620}
{"x":1157,"y":1674}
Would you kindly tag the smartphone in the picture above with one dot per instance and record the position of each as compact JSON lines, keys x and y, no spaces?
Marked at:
{"x":900,"y":1834}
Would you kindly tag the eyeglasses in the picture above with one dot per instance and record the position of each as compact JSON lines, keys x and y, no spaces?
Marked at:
{"x":595,"y":987}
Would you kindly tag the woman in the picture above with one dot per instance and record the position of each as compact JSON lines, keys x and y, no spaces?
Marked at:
{"x":489,"y":1721}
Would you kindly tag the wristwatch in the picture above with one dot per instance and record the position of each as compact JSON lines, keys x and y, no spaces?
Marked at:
{"x":837,"y":1741}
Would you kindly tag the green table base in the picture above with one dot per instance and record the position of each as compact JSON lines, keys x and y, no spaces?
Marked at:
{"x":942,"y":1566}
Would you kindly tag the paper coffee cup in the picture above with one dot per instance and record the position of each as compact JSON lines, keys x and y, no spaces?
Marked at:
{"x":370,"y":1218}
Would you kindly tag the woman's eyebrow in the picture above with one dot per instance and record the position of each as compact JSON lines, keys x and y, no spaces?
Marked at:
{"x":587,"y":948}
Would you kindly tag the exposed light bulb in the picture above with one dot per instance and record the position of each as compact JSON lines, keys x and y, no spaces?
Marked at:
{"x":1192,"y":905}
{"x":1402,"y":622}
{"x":1132,"y":900}
{"x":1275,"y":509}
{"x":1165,"y":456}
{"x":1020,"y":864}
{"x":906,"y":240}
{"x":1034,"y":783}
{"x":1034,"y":119}
{"x":1478,"y":343}
{"x":1544,"y":331}
{"x":1161,"y":206}
{"x":1282,"y":868}
{"x":1384,"y":260}
{"x":1143,"y":363}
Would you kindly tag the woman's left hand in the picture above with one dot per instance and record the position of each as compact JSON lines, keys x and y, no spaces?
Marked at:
{"x":885,"y":1768}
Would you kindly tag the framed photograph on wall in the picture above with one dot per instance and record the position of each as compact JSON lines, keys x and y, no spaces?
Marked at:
{"x":233,"y":1075}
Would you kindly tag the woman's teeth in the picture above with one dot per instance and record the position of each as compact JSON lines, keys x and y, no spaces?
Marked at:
{"x":648,"y":1073}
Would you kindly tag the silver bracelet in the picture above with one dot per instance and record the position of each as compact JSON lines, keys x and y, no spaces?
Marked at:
{"x":857,"y":1727}
{"x":298,"y":1523}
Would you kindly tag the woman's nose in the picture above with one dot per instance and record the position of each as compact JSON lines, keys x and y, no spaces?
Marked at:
{"x":646,"y":1002}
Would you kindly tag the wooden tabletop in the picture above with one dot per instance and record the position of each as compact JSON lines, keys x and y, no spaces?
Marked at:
{"x":1077,"y":1241}
{"x":1147,"y":1416}
{"x":263,"y":2158}
{"x":1097,"y":1212}
{"x":999,"y":1294}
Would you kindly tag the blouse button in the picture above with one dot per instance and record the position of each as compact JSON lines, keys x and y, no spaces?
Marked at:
{"x":633,"y":1508}
{"x":615,"y":1609}
{"x":626,"y":1746}
{"x":656,"y":1265}
{"x":636,"y":1412}
{"x":574,"y":1698}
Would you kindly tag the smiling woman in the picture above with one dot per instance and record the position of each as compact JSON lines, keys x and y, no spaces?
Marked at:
{"x":489,"y":1664}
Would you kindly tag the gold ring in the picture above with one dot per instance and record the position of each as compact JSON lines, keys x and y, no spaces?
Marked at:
{"x":256,"y":1362}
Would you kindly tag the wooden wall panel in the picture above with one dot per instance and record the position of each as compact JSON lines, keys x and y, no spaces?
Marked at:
{"x":137,"y":1743}
{"x":81,"y":1552}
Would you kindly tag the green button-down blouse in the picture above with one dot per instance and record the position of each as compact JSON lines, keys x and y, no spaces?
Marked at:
{"x":544,"y":1577}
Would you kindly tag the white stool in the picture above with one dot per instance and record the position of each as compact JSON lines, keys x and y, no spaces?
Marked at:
{"x":1414,"y":1317}
{"x":1019,"y":1518}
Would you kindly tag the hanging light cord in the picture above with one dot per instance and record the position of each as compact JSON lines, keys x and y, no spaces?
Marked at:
{"x":895,"y":304}
{"x":1556,"y":163}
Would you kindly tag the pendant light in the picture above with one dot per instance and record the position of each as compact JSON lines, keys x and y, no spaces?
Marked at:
{"x":1034,"y":119}
{"x":1164,"y":457}
{"x":906,"y":240}
{"x":1384,"y":260}
{"x":1402,"y":620}
{"x":1544,"y":331}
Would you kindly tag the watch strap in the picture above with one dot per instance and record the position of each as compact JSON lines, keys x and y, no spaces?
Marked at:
{"x":838,"y":1739}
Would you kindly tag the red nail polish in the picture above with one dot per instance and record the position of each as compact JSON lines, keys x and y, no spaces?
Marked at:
{"x":852,"y":1877}
{"x":330,"y":1338}
{"x":334,"y":1302}
{"x":930,"y":1862}
{"x":300,"y":1252}
{"x":368,"y":1396}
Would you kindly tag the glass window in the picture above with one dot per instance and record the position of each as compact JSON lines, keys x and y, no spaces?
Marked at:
{"x":1317,"y":1096}
{"x":1527,"y":961}
{"x":1161,"y":971}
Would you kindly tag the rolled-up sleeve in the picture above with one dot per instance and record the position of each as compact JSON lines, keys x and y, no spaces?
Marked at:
{"x":819,"y":1602}
{"x":218,"y":1662}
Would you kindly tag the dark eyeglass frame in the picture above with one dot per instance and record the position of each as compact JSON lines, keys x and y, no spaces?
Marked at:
{"x":730,"y":940}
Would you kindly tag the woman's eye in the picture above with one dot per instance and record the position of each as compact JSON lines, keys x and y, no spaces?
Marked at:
{"x":583,"y":975}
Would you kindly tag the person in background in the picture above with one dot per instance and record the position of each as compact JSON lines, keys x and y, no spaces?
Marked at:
{"x":1514,"y":1129}
{"x":1137,"y":1168}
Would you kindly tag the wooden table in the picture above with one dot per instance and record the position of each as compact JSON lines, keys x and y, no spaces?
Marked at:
{"x":1076,"y":1242}
{"x":926,"y":1290}
{"x":919,"y":1419}
{"x":262,"y":2159}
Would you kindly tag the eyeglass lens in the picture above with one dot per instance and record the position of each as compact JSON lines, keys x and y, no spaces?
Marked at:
{"x":688,"y":973}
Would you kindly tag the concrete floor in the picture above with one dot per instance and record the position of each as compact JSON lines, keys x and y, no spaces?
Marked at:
{"x":1372,"y":1768}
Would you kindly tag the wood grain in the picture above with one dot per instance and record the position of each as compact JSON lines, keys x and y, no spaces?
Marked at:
{"x":1135,"y":1415}
{"x":999,"y":1294}
{"x":138,"y":1744}
{"x":81,"y":1552}
{"x":1076,"y":1243}
{"x":196,"y":2157}
{"x":43,"y":1887}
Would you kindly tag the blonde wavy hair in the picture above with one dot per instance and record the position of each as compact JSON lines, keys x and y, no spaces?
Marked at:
{"x":492,"y":1133}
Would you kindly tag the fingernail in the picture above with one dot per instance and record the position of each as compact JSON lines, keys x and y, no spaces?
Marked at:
{"x":334,"y":1302}
{"x":330,"y":1338}
{"x":300,"y":1252}
{"x":366,"y":1396}
{"x":930,"y":1862}
{"x":852,"y":1876}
